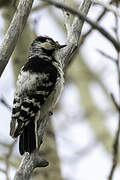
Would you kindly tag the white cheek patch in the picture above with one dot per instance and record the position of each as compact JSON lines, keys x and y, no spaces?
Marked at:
{"x":47,"y":46}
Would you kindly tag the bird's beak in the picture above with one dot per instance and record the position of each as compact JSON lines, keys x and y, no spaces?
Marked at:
{"x":62,"y":46}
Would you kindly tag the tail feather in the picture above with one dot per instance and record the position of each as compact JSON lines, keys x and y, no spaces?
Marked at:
{"x":27,"y":140}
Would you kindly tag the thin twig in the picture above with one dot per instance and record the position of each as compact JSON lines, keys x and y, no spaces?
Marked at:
{"x":115,"y":103}
{"x":40,"y":6}
{"x":102,"y":14}
{"x":89,"y":21}
{"x":109,"y":7}
{"x":4,"y":102}
{"x":2,"y":170}
{"x":107,"y":56}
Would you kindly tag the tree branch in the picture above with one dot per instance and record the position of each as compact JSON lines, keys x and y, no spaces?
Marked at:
{"x":84,"y":18}
{"x":99,"y":18}
{"x":28,"y":164}
{"x":4,"y":102}
{"x":14,"y":31}
{"x":66,"y":53}
{"x":40,"y":6}
{"x":108,"y":6}
{"x":107,"y":56}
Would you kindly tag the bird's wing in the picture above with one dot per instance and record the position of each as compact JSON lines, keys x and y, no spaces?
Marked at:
{"x":31,"y":93}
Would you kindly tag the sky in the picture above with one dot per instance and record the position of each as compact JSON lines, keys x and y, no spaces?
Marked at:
{"x":76,"y":165}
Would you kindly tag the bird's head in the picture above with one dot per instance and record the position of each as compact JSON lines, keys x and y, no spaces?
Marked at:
{"x":45,"y":45}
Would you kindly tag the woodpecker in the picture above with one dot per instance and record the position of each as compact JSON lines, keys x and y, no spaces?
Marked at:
{"x":38,"y":88}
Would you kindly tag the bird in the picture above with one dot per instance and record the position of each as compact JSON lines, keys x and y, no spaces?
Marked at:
{"x":38,"y":88}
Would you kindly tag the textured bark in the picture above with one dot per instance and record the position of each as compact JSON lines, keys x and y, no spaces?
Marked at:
{"x":73,"y":34}
{"x":20,"y":53}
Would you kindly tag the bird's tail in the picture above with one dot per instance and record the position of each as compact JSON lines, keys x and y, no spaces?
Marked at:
{"x":27,"y":140}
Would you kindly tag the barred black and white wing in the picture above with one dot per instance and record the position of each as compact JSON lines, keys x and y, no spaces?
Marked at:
{"x":36,"y":82}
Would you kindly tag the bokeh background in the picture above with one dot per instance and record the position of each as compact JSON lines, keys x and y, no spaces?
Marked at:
{"x":78,"y":140}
